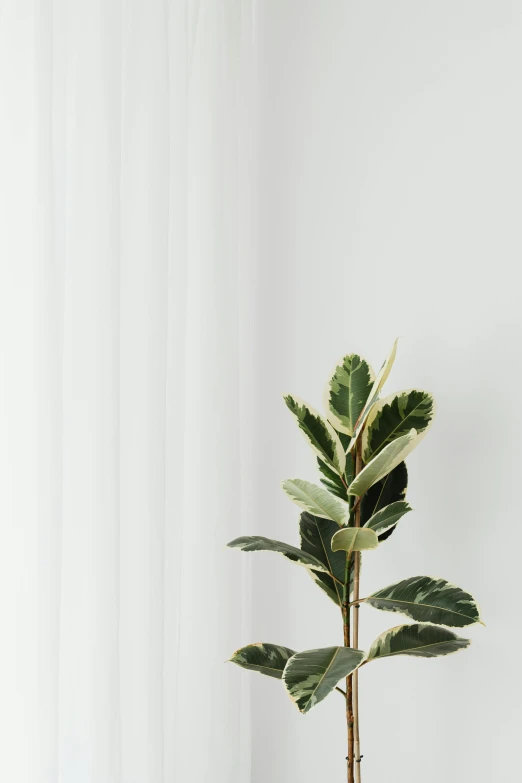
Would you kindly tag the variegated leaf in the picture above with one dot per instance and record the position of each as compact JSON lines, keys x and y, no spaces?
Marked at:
{"x":325,"y":583}
{"x":375,"y":391}
{"x":388,"y":490}
{"x":320,"y":434}
{"x":423,"y":641}
{"x":262,"y":544}
{"x":311,"y":675}
{"x":347,"y":392}
{"x":316,"y":540}
{"x":269,"y":659}
{"x":394,"y":416}
{"x":383,"y":463}
{"x":316,"y":500}
{"x":354,"y":539}
{"x":388,"y":516}
{"x":345,"y":442}
{"x":428,"y":600}
{"x":332,"y":481}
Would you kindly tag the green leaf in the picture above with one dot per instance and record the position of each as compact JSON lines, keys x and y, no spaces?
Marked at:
{"x":428,"y":600}
{"x":375,"y":391}
{"x":423,"y":641}
{"x":383,"y":463}
{"x":388,"y":516}
{"x":262,"y":544}
{"x":320,"y":434}
{"x":316,"y":500}
{"x":354,"y":539}
{"x":395,"y":416}
{"x":316,"y":540}
{"x":345,"y":442}
{"x":326,"y":584}
{"x":269,"y":659}
{"x":332,"y":481}
{"x":347,"y":392}
{"x":311,"y":675}
{"x":383,"y":493}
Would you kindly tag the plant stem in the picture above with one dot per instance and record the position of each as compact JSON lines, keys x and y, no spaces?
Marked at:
{"x":349,"y":694}
{"x":356,"y":576}
{"x":347,"y":609}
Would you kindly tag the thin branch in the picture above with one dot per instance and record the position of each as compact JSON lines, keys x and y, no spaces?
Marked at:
{"x":359,"y":601}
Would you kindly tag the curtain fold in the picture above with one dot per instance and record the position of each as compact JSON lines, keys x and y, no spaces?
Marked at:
{"x":127,"y":151}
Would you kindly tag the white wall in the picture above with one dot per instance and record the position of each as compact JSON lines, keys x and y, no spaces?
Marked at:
{"x":390,"y":202}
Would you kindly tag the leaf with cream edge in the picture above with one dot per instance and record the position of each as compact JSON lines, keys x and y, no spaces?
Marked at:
{"x":345,"y":442}
{"x":420,"y":640}
{"x":311,"y":675}
{"x":269,"y":659}
{"x":316,"y":500}
{"x":347,"y":392}
{"x":394,"y":416}
{"x":384,"y":462}
{"x":262,"y":544}
{"x":319,"y":433}
{"x":428,"y":600}
{"x":388,"y":490}
{"x":316,"y":540}
{"x":355,"y":539}
{"x":332,"y":481}
{"x":375,"y":391}
{"x":388,"y":516}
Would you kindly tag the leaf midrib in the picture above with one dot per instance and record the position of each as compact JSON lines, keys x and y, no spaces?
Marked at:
{"x":336,"y":653}
{"x":389,"y":437}
{"x":314,"y":440}
{"x":415,"y":603}
{"x":316,"y":503}
{"x":420,"y":647}
{"x":380,"y":495}
{"x":346,"y":419}
{"x":269,"y":668}
{"x":390,"y":457}
{"x":339,"y":595}
{"x":302,"y":556}
{"x":386,"y":520}
{"x":350,"y":419}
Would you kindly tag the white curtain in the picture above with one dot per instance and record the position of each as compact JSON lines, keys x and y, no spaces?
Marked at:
{"x":126,"y":200}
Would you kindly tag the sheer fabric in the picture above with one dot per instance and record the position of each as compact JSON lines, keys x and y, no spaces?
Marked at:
{"x":125,"y":151}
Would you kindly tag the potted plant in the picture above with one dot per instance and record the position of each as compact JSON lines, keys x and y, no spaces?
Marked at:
{"x":361,"y":446}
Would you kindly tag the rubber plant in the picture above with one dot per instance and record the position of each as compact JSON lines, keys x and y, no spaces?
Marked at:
{"x":361,"y":445}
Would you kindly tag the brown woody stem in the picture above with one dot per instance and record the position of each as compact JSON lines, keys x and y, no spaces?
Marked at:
{"x":349,"y":691}
{"x":346,"y":609}
{"x":355,"y":675}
